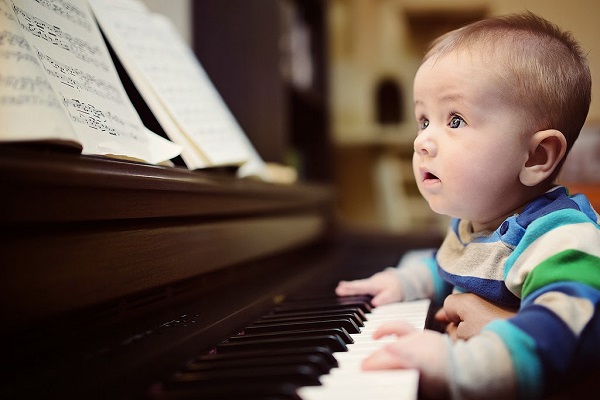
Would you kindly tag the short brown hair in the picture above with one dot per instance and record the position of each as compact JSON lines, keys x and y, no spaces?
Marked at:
{"x":540,"y":64}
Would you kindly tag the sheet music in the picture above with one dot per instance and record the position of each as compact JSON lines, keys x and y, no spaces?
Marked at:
{"x":25,"y":90}
{"x":174,"y":85}
{"x":71,"y":52}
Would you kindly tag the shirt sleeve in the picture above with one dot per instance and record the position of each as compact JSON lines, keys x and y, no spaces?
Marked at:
{"x":550,"y":343}
{"x":481,"y":368}
{"x":417,"y":274}
{"x":555,"y":269}
{"x":553,"y":339}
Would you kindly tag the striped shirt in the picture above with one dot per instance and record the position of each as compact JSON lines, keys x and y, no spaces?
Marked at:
{"x":546,"y":261}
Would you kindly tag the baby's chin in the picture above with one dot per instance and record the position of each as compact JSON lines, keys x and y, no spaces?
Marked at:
{"x":437,"y":205}
{"x":442,"y":204}
{"x":441,"y":208}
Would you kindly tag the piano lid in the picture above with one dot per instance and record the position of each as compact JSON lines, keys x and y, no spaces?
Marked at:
{"x":60,"y":187}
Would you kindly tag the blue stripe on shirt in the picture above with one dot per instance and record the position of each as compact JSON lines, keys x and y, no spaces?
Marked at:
{"x":491,"y":289}
{"x":554,"y":200}
{"x":563,"y":355}
{"x":555,"y":349}
{"x":441,"y":288}
{"x":542,"y":226}
{"x":522,"y":348}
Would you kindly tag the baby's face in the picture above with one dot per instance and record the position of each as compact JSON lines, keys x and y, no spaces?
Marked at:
{"x":470,"y":145}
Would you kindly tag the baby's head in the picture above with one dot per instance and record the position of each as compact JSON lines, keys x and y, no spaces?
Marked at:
{"x":499,"y":103}
{"x":539,"y":66}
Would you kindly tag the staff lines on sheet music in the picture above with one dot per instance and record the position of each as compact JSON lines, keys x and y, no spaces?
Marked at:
{"x":66,"y":10}
{"x":79,"y":79}
{"x":193,"y":99}
{"x":54,"y":35}
{"x":197,"y":104}
{"x":104,"y":121}
{"x":23,"y":50}
{"x":140,"y":47}
{"x":172,"y":77}
{"x":25,"y":84}
{"x":20,"y":89}
{"x":19,"y":56}
{"x":134,"y":34}
{"x":8,"y":38}
{"x":73,"y":61}
{"x":38,"y":98}
{"x":29,"y":100}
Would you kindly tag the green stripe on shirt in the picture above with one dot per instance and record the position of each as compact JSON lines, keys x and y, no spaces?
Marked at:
{"x":568,"y":265}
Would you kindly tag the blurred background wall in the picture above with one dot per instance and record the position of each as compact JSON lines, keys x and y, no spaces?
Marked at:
{"x":326,"y":86}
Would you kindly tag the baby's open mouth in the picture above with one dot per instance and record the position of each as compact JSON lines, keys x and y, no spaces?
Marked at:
{"x":429,"y":175}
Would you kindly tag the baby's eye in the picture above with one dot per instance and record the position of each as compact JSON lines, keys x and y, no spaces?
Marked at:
{"x":423,"y":123}
{"x":456,"y":122}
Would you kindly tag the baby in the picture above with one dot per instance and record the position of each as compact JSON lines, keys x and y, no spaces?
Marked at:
{"x":499,"y":104}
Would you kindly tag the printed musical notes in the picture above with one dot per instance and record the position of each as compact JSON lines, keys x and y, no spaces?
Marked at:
{"x":58,"y":63}
{"x":175,"y":86}
{"x":58,"y":83}
{"x":25,"y":90}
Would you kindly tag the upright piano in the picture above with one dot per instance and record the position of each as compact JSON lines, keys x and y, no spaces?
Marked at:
{"x":115,"y":274}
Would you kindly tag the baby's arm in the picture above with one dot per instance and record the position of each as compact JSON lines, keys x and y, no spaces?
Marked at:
{"x":554,"y":336}
{"x":411,"y":279}
{"x":480,"y":367}
{"x":425,"y":351}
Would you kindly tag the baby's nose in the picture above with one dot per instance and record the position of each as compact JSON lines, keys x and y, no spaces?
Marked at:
{"x":424,"y":145}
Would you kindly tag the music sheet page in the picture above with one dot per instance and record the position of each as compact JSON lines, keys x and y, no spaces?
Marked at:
{"x":71,"y":52}
{"x":174,"y":84}
{"x":25,"y":90}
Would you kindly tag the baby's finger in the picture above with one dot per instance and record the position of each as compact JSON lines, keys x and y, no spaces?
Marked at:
{"x":442,"y":316}
{"x":397,"y":328}
{"x":453,"y":307}
{"x":350,"y":288}
{"x":383,"y":359}
{"x":385,"y":297}
{"x":452,"y":330}
{"x":343,"y":288}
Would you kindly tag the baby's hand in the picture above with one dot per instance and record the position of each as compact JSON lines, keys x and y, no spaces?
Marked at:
{"x":466,"y":314}
{"x":426,"y":351}
{"x":383,"y":286}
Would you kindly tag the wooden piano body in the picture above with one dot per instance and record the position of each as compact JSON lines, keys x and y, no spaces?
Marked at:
{"x":114,"y":273}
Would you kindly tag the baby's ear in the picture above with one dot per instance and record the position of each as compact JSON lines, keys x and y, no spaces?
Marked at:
{"x":546,"y":150}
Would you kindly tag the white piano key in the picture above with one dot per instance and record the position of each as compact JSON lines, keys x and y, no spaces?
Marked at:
{"x":368,"y":385}
{"x":349,"y":381}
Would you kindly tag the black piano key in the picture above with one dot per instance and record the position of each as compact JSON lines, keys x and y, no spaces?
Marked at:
{"x":347,"y":324}
{"x":327,"y":299}
{"x":341,"y":333}
{"x":300,"y":375}
{"x":265,"y":361}
{"x":344,"y":317}
{"x":322,"y":352}
{"x":276,"y":348}
{"x":333,"y":342}
{"x":296,"y":317}
{"x":311,"y":306}
{"x":305,"y":310}
{"x":364,"y":297}
{"x":326,"y":295}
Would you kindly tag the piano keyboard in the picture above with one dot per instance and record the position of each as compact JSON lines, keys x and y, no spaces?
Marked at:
{"x":305,"y":349}
{"x":348,"y":381}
